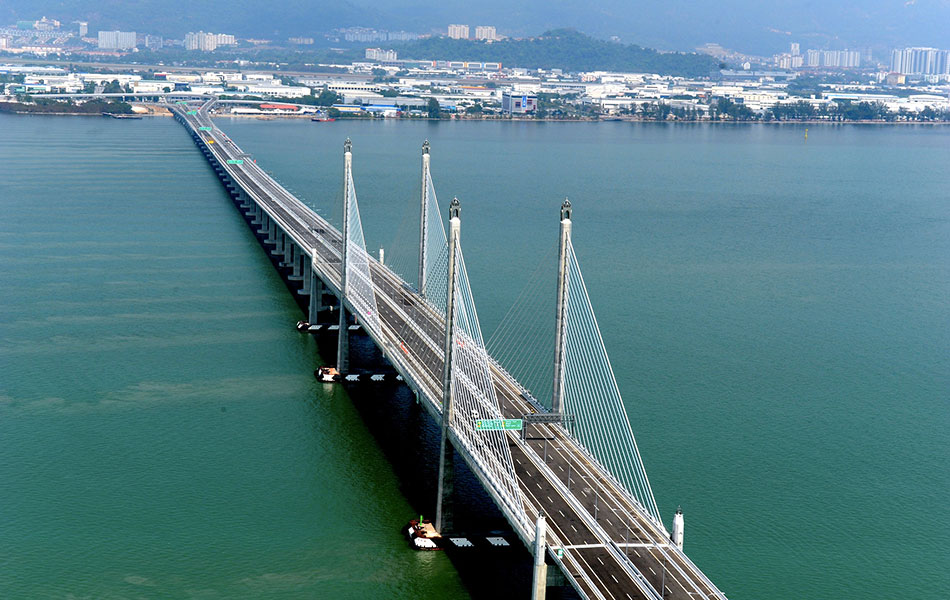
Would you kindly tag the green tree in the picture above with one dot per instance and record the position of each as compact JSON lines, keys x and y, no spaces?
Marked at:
{"x":113,"y":87}
{"x":327,"y":98}
{"x":435,"y":111}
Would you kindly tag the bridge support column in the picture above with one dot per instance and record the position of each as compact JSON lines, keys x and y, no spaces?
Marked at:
{"x":343,"y":337}
{"x":258,"y":215}
{"x":279,"y":241}
{"x":297,"y":259}
{"x":265,"y":226}
{"x":272,"y":232}
{"x":316,"y":297}
{"x":443,"y":512}
{"x":557,"y":398}
{"x":306,"y":276}
{"x":288,"y":250}
{"x":539,"y":584}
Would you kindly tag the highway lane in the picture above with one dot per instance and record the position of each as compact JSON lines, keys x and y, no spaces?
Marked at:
{"x":586,"y":520}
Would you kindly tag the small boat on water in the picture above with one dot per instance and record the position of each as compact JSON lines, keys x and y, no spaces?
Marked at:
{"x":303,"y":326}
{"x":322,"y":119}
{"x":327,"y":375}
{"x":422,"y":535}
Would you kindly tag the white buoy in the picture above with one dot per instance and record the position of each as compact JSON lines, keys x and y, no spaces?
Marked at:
{"x":677,"y":535}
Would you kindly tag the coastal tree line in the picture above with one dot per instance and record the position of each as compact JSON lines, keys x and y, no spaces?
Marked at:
{"x":724,"y":109}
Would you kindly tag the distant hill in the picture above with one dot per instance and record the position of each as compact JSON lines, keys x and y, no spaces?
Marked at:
{"x":745,"y":25}
{"x":562,"y":49}
{"x":174,"y":18}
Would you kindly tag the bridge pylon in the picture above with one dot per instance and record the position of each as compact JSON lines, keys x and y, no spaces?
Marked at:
{"x":557,"y":397}
{"x":423,"y":215}
{"x":343,"y":338}
{"x":539,"y":583}
{"x":443,"y":513}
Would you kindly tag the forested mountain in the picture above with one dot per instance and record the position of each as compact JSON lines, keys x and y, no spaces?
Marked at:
{"x":566,"y":49}
{"x":746,"y":25}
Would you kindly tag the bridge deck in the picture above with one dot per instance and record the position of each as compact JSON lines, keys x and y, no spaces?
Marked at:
{"x":611,"y":547}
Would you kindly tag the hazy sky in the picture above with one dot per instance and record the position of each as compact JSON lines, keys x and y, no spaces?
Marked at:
{"x":748,"y":25}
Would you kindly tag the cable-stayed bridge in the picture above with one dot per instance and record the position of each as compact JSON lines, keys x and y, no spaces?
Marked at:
{"x":571,"y":482}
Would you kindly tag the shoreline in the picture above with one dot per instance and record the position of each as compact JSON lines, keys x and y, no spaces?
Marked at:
{"x":608,"y":120}
{"x":166,"y":113}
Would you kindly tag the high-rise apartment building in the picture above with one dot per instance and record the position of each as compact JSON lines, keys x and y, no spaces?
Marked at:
{"x":812,"y":58}
{"x":829,"y":58}
{"x":458,"y":32}
{"x":154,"y":42}
{"x":796,"y":49}
{"x":380,"y":54}
{"x":208,"y":42}
{"x":920,"y":61}
{"x":485,"y":32}
{"x":849,"y":58}
{"x":83,"y":28}
{"x":116,"y":40}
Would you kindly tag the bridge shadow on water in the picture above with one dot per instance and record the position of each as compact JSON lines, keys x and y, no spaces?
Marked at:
{"x":409,"y":438}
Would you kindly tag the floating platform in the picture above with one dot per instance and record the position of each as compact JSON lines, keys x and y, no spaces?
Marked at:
{"x":331,"y":375}
{"x":423,"y":536}
{"x":118,"y":116}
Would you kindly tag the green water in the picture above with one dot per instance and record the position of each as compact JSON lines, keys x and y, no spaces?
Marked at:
{"x":776,"y":312}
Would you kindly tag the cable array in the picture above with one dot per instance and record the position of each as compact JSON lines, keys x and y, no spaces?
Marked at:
{"x":474,"y":396}
{"x":436,"y":251}
{"x":360,"y":292}
{"x":524,"y":339}
{"x":592,"y":396}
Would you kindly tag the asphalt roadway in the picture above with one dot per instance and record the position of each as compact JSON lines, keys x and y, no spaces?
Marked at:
{"x":610,"y":547}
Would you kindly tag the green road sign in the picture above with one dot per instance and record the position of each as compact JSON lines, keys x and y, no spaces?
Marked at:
{"x":560,"y":552}
{"x":204,"y":129}
{"x":192,"y":112}
{"x":235,"y":161}
{"x":182,"y":102}
{"x":498,"y":424}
